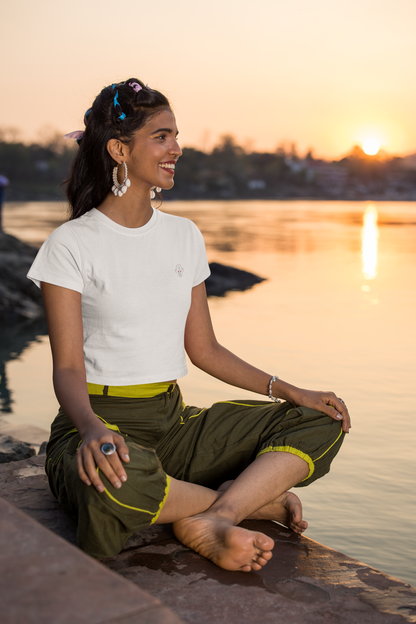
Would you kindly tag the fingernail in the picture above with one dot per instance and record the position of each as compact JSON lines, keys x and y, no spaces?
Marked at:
{"x":126,"y":457}
{"x":117,"y":484}
{"x":123,"y":478}
{"x":100,"y":488}
{"x":339,"y":416}
{"x":87,"y":482}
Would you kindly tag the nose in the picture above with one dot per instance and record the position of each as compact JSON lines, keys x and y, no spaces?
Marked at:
{"x":176,"y":150}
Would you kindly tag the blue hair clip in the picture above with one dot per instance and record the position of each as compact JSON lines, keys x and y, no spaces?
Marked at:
{"x":117,"y":103}
{"x":86,"y":115}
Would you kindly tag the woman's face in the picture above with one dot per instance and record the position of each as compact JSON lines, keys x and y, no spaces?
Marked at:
{"x":153,"y":154}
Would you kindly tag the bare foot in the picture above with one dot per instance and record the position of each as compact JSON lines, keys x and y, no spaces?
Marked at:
{"x":285,"y":509}
{"x":228,"y":546}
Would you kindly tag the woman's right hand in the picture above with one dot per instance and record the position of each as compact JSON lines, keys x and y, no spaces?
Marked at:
{"x":90,"y":456}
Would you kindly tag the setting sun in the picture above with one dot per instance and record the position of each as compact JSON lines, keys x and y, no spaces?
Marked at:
{"x":371,"y":147}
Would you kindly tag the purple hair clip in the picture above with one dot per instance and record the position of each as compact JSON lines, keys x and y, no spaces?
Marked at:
{"x":135,"y":86}
{"x":76,"y":135}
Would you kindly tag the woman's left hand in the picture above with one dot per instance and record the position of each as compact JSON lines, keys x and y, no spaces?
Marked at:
{"x":326,"y":402}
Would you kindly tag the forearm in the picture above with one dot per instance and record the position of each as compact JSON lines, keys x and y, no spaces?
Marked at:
{"x":226,"y":366}
{"x":72,"y":394}
{"x":222,"y":364}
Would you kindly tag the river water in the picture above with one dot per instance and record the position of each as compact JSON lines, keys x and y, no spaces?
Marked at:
{"x":337,"y":312}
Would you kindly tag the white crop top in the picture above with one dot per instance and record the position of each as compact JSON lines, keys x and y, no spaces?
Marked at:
{"x":136,"y":288}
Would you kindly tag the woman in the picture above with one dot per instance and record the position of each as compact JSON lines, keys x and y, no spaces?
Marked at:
{"x":123,"y":286}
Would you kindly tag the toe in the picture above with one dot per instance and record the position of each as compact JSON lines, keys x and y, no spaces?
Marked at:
{"x":263,"y":542}
{"x":266,"y":555}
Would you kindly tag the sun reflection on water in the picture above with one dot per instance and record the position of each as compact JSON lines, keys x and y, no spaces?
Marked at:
{"x":369,"y":246}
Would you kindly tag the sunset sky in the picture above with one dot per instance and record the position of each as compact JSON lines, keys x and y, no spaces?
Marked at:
{"x":324,"y":74}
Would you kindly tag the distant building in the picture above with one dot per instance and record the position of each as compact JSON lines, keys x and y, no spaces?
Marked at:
{"x":256,"y":185}
{"x":329,"y":176}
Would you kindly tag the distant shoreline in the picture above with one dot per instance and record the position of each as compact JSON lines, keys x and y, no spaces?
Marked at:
{"x":388,"y":197}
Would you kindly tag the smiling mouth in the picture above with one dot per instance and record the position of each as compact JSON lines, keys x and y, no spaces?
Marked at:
{"x":170,"y":166}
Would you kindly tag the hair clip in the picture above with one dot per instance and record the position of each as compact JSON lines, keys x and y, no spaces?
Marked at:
{"x":86,"y":115}
{"x":76,"y":135}
{"x":135,"y":86}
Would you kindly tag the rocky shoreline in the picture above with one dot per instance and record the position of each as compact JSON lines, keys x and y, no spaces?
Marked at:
{"x":12,"y":449}
{"x":21,"y":300}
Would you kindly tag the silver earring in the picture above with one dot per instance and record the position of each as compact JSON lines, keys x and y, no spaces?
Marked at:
{"x":120,"y":189}
{"x":152,"y":191}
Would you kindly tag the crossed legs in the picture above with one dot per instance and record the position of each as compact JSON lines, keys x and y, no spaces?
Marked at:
{"x":206,"y":520}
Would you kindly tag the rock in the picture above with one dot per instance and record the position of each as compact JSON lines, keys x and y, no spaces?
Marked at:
{"x":224,"y":278}
{"x":20,"y":299}
{"x":42,"y":450}
{"x":12,"y":449}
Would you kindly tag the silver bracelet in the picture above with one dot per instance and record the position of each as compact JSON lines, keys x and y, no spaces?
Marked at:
{"x":271,"y":397}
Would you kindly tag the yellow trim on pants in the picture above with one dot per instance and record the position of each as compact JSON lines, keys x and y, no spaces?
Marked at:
{"x":290,"y":449}
{"x":156,"y":514}
{"x":340,"y":434}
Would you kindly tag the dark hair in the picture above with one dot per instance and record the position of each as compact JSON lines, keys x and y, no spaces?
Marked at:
{"x":117,"y":113}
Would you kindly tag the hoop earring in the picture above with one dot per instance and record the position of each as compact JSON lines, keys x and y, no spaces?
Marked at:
{"x":152,"y":191}
{"x":120,"y":189}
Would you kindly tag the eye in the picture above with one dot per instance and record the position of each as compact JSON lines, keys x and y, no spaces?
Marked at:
{"x":162,"y":137}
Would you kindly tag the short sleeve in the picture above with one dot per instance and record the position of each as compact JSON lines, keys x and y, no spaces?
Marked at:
{"x":58,"y":261}
{"x":202,"y":270}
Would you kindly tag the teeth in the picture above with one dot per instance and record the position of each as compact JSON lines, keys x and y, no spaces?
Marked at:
{"x":167,"y":166}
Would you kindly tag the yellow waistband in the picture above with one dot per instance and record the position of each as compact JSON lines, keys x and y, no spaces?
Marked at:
{"x":140,"y":391}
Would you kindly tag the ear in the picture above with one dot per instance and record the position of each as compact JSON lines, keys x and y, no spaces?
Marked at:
{"x":117,"y":150}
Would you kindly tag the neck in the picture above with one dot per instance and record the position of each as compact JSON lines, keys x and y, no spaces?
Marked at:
{"x":132,"y":210}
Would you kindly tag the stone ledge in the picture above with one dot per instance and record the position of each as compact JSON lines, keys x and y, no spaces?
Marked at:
{"x":45,"y":579}
{"x":304,"y":582}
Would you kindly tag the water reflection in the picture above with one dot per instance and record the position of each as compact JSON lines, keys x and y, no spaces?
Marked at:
{"x":369,"y":246}
{"x":13,"y":341}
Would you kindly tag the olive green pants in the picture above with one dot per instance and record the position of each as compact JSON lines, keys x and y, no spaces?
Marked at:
{"x":165,"y":437}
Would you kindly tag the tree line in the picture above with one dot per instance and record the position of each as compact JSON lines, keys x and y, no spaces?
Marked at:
{"x":37,"y":171}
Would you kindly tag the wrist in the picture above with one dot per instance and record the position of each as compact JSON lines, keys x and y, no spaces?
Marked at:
{"x":273,"y":397}
{"x":89,"y":423}
{"x":282,"y":390}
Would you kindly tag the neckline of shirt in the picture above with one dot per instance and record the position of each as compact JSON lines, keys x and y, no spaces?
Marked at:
{"x":121,"y":229}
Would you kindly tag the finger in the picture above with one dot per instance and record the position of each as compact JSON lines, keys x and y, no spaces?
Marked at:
{"x":82,"y":474}
{"x":343,"y":410}
{"x":337,"y":410}
{"x":88,"y":463}
{"x":116,"y":465}
{"x":105,"y":464}
{"x":122,"y":449}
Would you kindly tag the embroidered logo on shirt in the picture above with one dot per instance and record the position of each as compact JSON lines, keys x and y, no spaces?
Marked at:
{"x":179,"y":270}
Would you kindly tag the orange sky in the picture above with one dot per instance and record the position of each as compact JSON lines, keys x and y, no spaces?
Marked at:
{"x":322,"y":73}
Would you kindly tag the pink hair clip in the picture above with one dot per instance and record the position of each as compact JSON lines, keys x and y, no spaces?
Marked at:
{"x":76,"y":135}
{"x":135,"y":86}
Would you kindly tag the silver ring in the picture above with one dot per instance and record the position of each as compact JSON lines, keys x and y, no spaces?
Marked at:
{"x":108,"y":448}
{"x":339,"y":399}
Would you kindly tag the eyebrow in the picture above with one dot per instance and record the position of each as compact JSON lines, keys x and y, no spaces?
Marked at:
{"x":169,"y":130}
